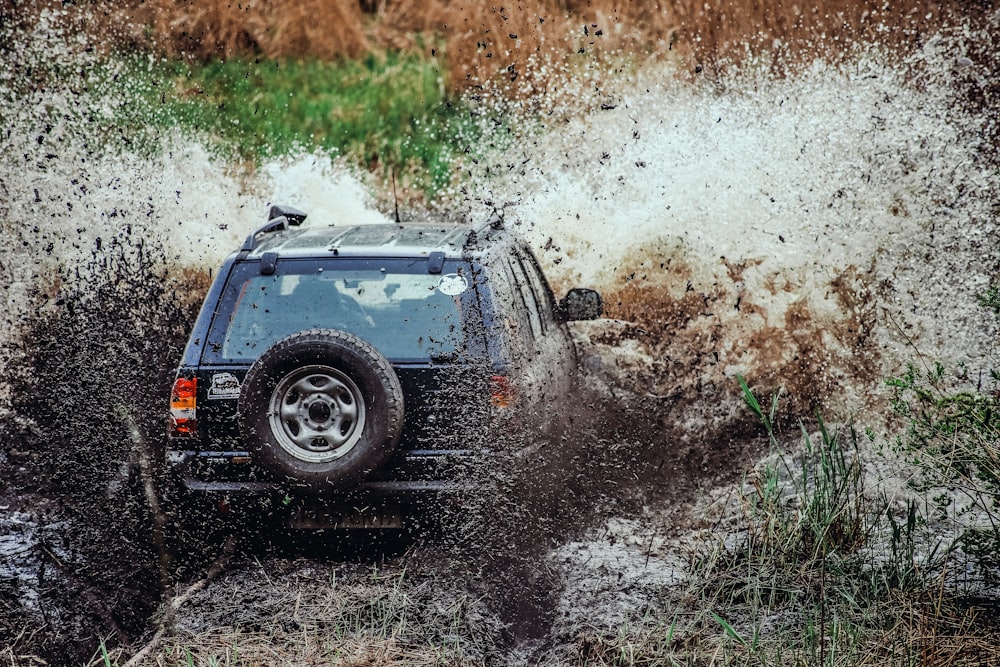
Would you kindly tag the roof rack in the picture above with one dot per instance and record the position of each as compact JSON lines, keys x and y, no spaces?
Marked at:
{"x":481,"y":231}
{"x":279,"y":218}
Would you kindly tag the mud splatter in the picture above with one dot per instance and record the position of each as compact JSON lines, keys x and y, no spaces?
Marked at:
{"x":806,"y":231}
{"x":813,"y":233}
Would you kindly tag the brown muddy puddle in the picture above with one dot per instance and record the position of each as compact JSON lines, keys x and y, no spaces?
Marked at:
{"x":557,"y":525}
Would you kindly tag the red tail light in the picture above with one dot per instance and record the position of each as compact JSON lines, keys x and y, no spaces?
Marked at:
{"x":183,"y":407}
{"x":502,"y":392}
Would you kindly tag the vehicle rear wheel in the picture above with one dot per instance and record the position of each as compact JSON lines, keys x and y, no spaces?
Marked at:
{"x":322,"y":409}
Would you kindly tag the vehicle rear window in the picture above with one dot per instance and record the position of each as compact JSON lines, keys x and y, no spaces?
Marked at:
{"x":405,"y":315}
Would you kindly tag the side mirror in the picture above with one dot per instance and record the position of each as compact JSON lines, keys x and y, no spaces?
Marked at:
{"x":581,"y":304}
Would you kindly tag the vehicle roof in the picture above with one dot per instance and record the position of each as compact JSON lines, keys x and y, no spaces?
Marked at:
{"x":391,"y":240}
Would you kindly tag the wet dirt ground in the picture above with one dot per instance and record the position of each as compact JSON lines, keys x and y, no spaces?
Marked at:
{"x":573,"y":536}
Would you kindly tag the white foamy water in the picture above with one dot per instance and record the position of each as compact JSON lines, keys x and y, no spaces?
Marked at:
{"x":69,"y":185}
{"x":805,"y":231}
{"x":70,"y":177}
{"x":820,"y":230}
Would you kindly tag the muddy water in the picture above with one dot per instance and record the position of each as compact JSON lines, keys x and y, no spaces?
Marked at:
{"x":815,"y":232}
{"x":812,"y":232}
{"x":808,"y":231}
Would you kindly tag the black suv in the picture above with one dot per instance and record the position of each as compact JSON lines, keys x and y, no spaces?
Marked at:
{"x":333,"y":364}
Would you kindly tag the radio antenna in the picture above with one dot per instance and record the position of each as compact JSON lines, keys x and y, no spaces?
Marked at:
{"x":395,"y":199}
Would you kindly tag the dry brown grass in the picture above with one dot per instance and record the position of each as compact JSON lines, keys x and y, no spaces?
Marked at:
{"x":721,"y":28}
{"x":525,"y":43}
{"x":489,"y":42}
{"x":484,"y":41}
{"x":233,"y":646}
{"x":347,"y":616}
{"x":224,"y":29}
{"x":922,"y":633}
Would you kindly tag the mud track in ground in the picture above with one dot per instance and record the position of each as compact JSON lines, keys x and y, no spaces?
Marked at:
{"x":577,"y":536}
{"x":569,"y":534}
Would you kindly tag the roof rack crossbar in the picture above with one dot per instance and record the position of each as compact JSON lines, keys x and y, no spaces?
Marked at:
{"x":295,"y":217}
{"x":494,"y":223}
{"x":279,"y":218}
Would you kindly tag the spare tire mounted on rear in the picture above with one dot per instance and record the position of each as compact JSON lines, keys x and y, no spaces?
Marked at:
{"x":321,"y":408}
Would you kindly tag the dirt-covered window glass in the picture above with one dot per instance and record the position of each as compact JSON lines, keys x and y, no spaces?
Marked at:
{"x":539,"y":288}
{"x":511,"y":313}
{"x":527,"y":295}
{"x":400,"y":308}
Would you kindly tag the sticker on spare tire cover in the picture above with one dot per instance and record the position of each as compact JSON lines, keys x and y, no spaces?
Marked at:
{"x":223,"y":386}
{"x":453,"y":284}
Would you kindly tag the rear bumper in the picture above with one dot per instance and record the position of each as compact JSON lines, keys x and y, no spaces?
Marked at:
{"x":415,"y":473}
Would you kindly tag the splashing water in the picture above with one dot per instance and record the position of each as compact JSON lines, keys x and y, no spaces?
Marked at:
{"x":72,"y":179}
{"x":808,"y":231}
{"x":106,"y":235}
{"x":815,"y":232}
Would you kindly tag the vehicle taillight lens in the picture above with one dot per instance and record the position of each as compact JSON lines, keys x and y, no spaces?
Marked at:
{"x":502,"y":393}
{"x":183,"y":412}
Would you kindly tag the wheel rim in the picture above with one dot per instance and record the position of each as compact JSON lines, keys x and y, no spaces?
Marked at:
{"x":317,"y":414}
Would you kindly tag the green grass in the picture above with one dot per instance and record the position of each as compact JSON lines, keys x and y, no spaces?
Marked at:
{"x":388,"y":113}
{"x":817,"y":566}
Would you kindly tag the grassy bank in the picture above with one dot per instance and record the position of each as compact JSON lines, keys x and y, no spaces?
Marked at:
{"x":815,"y":562}
{"x":388,"y":114}
{"x":387,"y":86}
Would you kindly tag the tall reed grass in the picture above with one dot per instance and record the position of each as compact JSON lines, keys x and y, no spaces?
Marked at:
{"x":475,"y":28}
{"x":517,"y":45}
{"x":815,"y":566}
